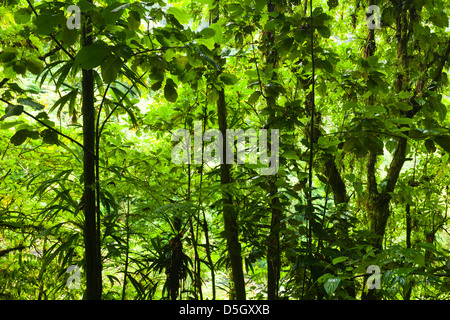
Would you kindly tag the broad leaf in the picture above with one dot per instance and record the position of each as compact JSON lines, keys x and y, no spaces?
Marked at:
{"x":110,"y":68}
{"x":443,"y":141}
{"x":331,"y":285}
{"x":228,"y":79}
{"x":179,"y":14}
{"x":170,"y":92}
{"x":20,"y":136}
{"x":12,"y":110}
{"x":49,"y":136}
{"x":31,"y":103}
{"x":92,"y":56}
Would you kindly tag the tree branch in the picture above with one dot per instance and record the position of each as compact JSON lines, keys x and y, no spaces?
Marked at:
{"x":6,"y":251}
{"x":51,"y":35}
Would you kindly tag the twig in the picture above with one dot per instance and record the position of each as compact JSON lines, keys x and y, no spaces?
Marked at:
{"x":51,"y":35}
{"x":6,"y":251}
{"x":47,"y":126}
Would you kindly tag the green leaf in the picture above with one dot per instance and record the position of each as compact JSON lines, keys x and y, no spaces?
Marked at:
{"x":22,"y":16}
{"x":228,"y":79}
{"x":339,"y":260}
{"x":47,"y":21}
{"x":348,"y":105}
{"x":12,"y":224}
{"x":69,"y":36}
{"x":139,"y":288}
{"x":429,"y":145}
{"x":207,"y":33}
{"x":373,"y":144}
{"x":428,"y":246}
{"x":403,"y":106}
{"x":285,"y":46}
{"x":324,"y":31}
{"x":390,"y":145}
{"x":235,"y":10}
{"x":7,"y":56}
{"x":134,"y":20}
{"x":170,"y":92}
{"x":372,"y":85}
{"x":325,"y":65}
{"x":20,"y":136}
{"x":318,"y":230}
{"x":34,"y":66}
{"x":156,"y":86}
{"x":12,"y":110}
{"x":212,"y":95}
{"x":259,"y":5}
{"x":92,"y":56}
{"x":332,"y":4}
{"x":254,"y":97}
{"x":439,"y":19}
{"x":113,"y":12}
{"x":218,"y":37}
{"x":179,"y":14}
{"x":7,"y":125}
{"x":110,"y":68}
{"x":443,"y":141}
{"x":290,"y":154}
{"x":20,"y":68}
{"x":332,"y":284}
{"x":31,"y":103}
{"x":49,"y":136}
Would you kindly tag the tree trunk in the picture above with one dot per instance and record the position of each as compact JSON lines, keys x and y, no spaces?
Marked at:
{"x":273,"y":247}
{"x":91,"y":241}
{"x":229,"y":213}
{"x":408,"y":225}
{"x":127,"y":250}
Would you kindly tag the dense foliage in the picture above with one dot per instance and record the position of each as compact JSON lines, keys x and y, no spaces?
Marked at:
{"x":97,"y":202}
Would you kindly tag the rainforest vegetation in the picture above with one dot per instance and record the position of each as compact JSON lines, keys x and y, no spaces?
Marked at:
{"x":119,"y":179}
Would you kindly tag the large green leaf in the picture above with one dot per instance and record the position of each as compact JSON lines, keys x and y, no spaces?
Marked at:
{"x":134,"y":20}
{"x":7,"y":56}
{"x":20,"y":136}
{"x":35,"y":105}
{"x":170,"y":91}
{"x":228,"y":79}
{"x":92,"y":56}
{"x":207,"y":33}
{"x":254,"y":97}
{"x":22,"y":16}
{"x":34,"y":66}
{"x":331,"y":285}
{"x":12,"y":110}
{"x":110,"y":68}
{"x":443,"y":141}
{"x":339,"y":259}
{"x":179,"y":14}
{"x":49,"y":136}
{"x":47,"y":21}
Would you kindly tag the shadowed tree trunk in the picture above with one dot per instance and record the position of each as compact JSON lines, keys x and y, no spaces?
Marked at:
{"x":91,"y":240}
{"x":273,"y":247}
{"x":230,"y":217}
{"x":229,"y":212}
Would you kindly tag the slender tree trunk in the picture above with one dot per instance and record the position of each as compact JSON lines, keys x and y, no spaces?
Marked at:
{"x":205,"y":222}
{"x":127,"y":250}
{"x":408,"y":225}
{"x":229,"y":212}
{"x":92,"y":247}
{"x":273,"y":250}
{"x":273,"y":247}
